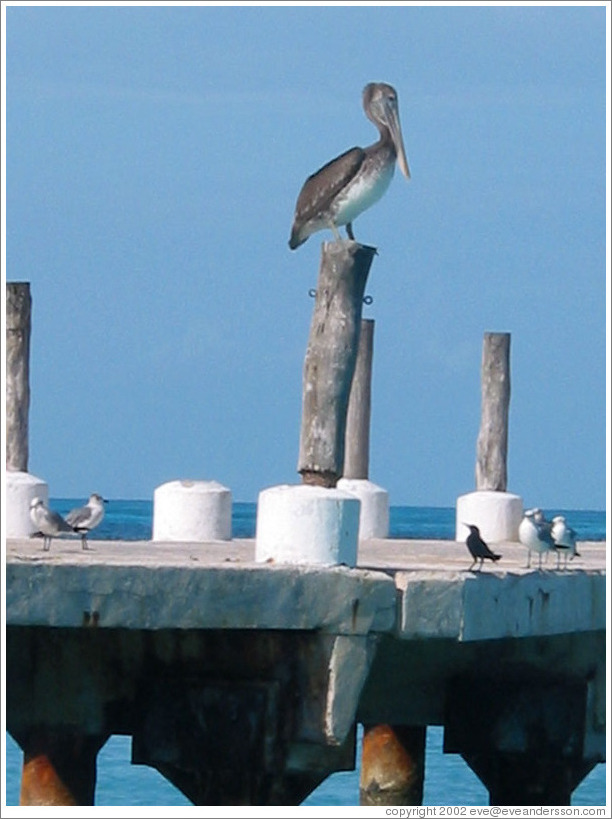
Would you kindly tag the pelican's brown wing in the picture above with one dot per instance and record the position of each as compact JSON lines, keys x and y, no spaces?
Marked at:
{"x":321,"y":188}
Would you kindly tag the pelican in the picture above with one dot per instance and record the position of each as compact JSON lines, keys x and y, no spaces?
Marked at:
{"x":337,"y":193}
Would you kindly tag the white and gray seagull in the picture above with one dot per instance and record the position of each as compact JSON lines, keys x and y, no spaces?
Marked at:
{"x":85,"y":518}
{"x":565,"y":540}
{"x":534,"y":532}
{"x":49,"y":523}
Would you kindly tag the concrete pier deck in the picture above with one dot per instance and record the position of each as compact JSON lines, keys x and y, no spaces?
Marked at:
{"x":114,"y":578}
{"x":160,"y":640}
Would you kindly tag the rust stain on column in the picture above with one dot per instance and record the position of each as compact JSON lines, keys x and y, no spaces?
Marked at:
{"x":41,"y":784}
{"x":59,"y":766}
{"x":392,"y":765}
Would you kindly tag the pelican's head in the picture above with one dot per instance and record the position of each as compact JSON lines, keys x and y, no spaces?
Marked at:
{"x":380,"y":105}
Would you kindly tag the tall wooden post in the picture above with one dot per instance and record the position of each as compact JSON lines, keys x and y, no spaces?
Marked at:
{"x":357,"y":450}
{"x":492,"y":443}
{"x":18,"y":330}
{"x":330,"y":360}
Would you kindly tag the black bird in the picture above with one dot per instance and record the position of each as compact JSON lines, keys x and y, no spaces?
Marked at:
{"x":478,"y":548}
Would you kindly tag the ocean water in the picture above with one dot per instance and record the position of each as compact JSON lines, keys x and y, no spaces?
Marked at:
{"x":448,"y":780}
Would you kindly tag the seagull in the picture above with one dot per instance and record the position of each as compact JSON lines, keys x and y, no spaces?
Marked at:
{"x":565,"y":540}
{"x":478,"y":548}
{"x":534,"y":532}
{"x":541,"y":519}
{"x":352,"y":182}
{"x":50,"y":524}
{"x":87,"y":517}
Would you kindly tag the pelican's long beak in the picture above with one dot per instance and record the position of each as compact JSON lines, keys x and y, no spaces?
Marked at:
{"x":396,"y":134}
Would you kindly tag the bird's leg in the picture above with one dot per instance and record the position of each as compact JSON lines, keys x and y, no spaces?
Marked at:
{"x":46,"y":543}
{"x":528,"y":559}
{"x":558,"y":559}
{"x":337,"y":236}
{"x":84,"y":541}
{"x":349,"y":231}
{"x":540,"y":562}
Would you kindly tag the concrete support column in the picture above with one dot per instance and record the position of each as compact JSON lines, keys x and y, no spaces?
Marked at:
{"x":524,"y":739}
{"x":59,"y":767}
{"x":392,"y":765}
{"x":374,"y":513}
{"x":21,"y":489}
{"x":192,"y":511}
{"x":527,"y":779}
{"x":307,"y":524}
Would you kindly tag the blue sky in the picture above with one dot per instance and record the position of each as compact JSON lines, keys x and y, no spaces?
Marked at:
{"x":153,"y":159}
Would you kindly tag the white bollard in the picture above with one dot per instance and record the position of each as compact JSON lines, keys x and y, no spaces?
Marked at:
{"x":497,"y":515}
{"x":307,"y":524}
{"x":21,"y":488}
{"x":374,"y":514}
{"x":192,"y":511}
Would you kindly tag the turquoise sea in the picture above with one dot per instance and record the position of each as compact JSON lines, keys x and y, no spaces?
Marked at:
{"x":448,"y":780}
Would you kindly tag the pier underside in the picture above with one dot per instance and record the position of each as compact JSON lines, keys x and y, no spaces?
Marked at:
{"x":235,"y":711}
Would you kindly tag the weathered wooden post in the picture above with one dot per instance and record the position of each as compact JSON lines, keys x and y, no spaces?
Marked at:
{"x":330,"y":360}
{"x":316,"y":522}
{"x":492,"y":443}
{"x":374,"y":514}
{"x":21,"y":487}
{"x":18,"y":331}
{"x":494,"y":510}
{"x":357,"y":438}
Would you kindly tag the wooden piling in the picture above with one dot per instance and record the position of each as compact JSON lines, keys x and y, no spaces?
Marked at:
{"x":492,"y":443}
{"x":330,"y":360}
{"x":357,"y":441}
{"x":18,"y":330}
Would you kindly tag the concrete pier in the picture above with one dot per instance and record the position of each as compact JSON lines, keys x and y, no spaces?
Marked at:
{"x":242,"y":682}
